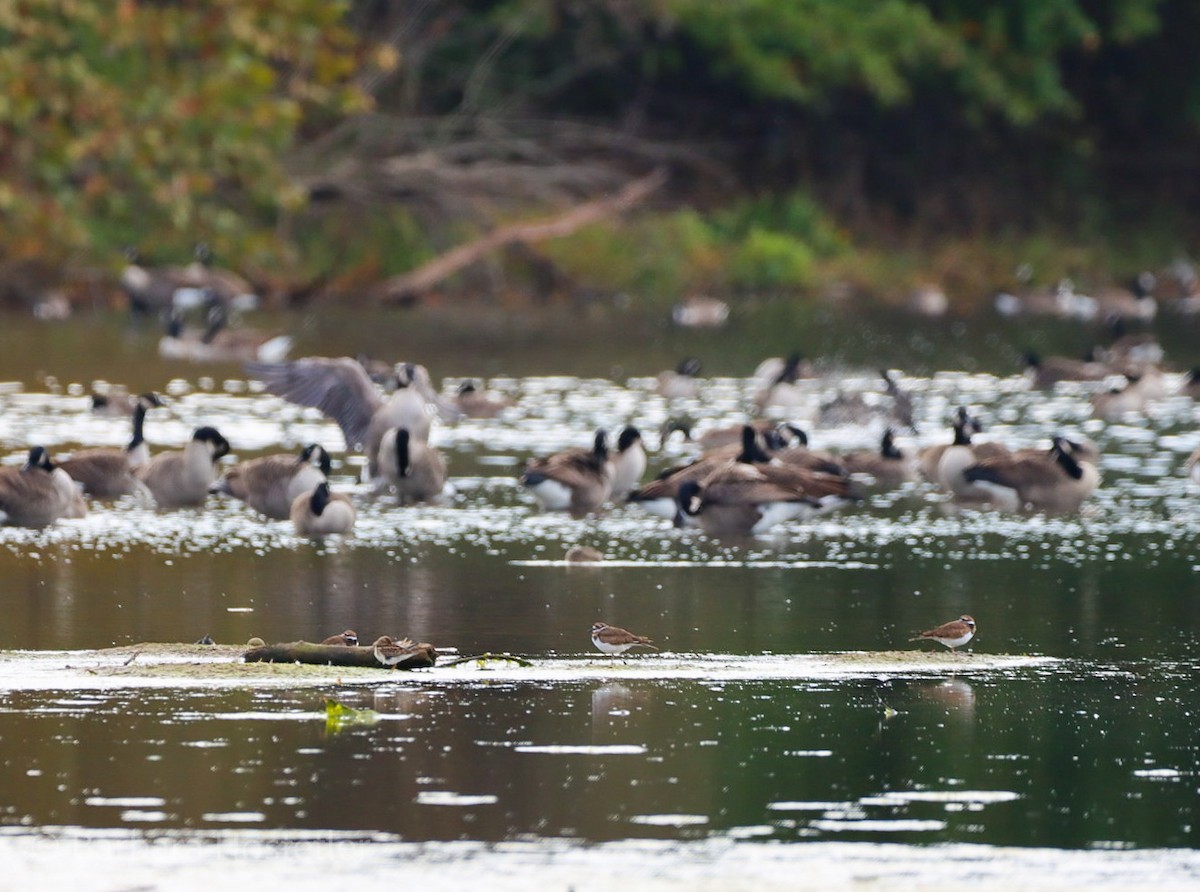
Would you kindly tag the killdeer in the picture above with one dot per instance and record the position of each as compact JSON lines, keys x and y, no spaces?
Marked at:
{"x":614,"y":640}
{"x":389,"y":652}
{"x":348,"y":638}
{"x":953,"y":634}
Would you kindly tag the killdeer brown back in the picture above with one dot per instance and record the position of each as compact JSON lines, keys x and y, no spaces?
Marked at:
{"x":953,"y":634}
{"x":615,"y":640}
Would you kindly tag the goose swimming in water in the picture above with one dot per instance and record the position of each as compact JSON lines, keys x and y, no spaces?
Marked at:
{"x":342,"y":391}
{"x":271,"y":484}
{"x":110,"y":473}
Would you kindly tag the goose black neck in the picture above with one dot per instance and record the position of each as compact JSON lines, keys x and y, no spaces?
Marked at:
{"x":751,"y":451}
{"x":139,"y":419}
{"x":1067,"y":462}
{"x":887,"y":447}
{"x":402,"y":457}
{"x":320,"y":499}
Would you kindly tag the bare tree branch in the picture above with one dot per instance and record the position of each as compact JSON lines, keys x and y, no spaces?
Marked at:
{"x":423,"y":278}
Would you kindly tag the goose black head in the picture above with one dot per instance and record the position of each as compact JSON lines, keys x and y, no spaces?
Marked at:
{"x":211,"y":436}
{"x":406,"y":374}
{"x":1031,"y":359}
{"x":751,"y":452}
{"x":791,"y":369}
{"x":39,"y":458}
{"x":690,"y":499}
{"x":466,"y":387}
{"x":403,"y":459}
{"x":318,"y":451}
{"x":887,"y":446}
{"x":320,"y":498}
{"x":1063,"y":450}
{"x":673,"y":425}
{"x":150,"y":400}
{"x":600,"y":445}
{"x":628,"y":437}
{"x":689,"y":367}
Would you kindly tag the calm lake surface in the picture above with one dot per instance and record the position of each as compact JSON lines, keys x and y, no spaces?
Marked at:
{"x":1094,"y":752}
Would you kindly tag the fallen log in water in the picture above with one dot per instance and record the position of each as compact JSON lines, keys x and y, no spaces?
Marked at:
{"x":421,"y":656}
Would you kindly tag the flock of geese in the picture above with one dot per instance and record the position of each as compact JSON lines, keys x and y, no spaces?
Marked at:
{"x":746,"y":479}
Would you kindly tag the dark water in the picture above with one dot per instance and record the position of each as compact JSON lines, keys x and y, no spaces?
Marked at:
{"x":1095,"y":750}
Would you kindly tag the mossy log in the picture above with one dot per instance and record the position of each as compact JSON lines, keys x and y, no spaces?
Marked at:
{"x":422,"y":656}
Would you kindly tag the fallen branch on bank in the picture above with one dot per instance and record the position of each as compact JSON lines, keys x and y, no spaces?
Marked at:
{"x":413,"y":284}
{"x":421,"y":657}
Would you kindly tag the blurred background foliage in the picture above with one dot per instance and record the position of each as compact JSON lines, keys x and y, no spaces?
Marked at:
{"x":881,"y":142}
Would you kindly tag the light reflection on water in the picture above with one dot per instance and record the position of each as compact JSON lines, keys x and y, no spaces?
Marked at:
{"x":1095,"y":750}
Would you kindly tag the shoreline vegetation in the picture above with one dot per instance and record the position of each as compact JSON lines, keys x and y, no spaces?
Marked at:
{"x":911,"y":154}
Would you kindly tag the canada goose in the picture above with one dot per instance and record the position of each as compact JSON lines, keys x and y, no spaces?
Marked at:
{"x":109,"y":473}
{"x":414,"y":467}
{"x":159,"y":289}
{"x":716,"y":437}
{"x":151,"y":290}
{"x":1045,"y":373}
{"x":800,"y":456}
{"x":849,"y":409}
{"x":778,"y":383}
{"x":271,"y":484}
{"x":1036,"y":300}
{"x":747,"y":499}
{"x":962,"y":454}
{"x":1054,"y":480}
{"x":887,"y":465}
{"x":660,"y":496}
{"x":1135,"y":302}
{"x":231,"y":289}
{"x":1129,"y":351}
{"x":181,"y":478}
{"x":341,"y":389}
{"x":38,"y":493}
{"x":474,"y":404}
{"x":322,"y":513}
{"x":219,"y":343}
{"x":1135,"y":397}
{"x":629,"y":462}
{"x":681,"y":383}
{"x":114,"y":403}
{"x":965,"y":426}
{"x":700,"y":311}
{"x":902,"y":402}
{"x":578,"y":480}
